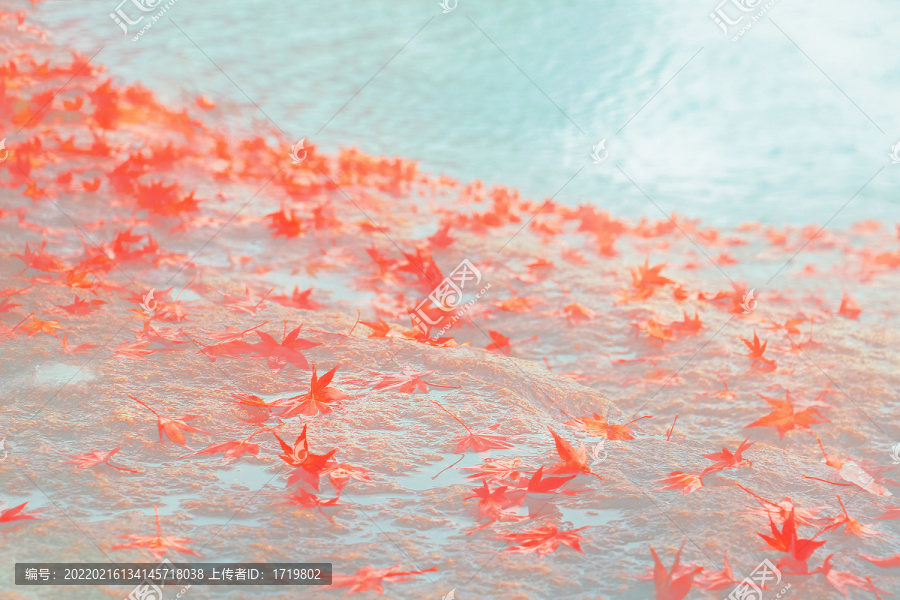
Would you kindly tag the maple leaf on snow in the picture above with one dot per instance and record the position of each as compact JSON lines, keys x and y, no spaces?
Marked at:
{"x":544,"y":539}
{"x":784,"y":419}
{"x":371,"y":579}
{"x":94,"y":458}
{"x":159,"y":544}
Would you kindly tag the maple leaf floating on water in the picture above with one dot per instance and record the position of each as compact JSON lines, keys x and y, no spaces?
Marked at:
{"x":678,"y":480}
{"x":371,"y":579}
{"x":544,"y":539}
{"x":839,"y":580}
{"x":158,"y":545}
{"x":94,"y":458}
{"x":232,"y":450}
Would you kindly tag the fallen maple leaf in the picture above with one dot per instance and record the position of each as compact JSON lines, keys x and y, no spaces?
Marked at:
{"x":756,"y":353}
{"x":726,"y":460}
{"x":784,"y":419}
{"x":598,"y":425}
{"x":15,"y":514}
{"x":94,"y":458}
{"x":319,"y":399}
{"x":370,"y":579}
{"x":480,"y":441}
{"x":174,"y":427}
{"x":544,"y":539}
{"x":573,"y":461}
{"x":673,"y":584}
{"x":678,"y":480}
{"x":158,"y":545}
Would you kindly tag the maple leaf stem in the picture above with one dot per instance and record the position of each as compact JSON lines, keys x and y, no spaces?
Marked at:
{"x":826,"y":481}
{"x":846,"y":514}
{"x":184,"y":288}
{"x":672,"y":428}
{"x":452,"y":387}
{"x":22,"y":321}
{"x":760,"y":498}
{"x":246,"y":331}
{"x":144,"y":405}
{"x":358,"y":317}
{"x":452,"y":415}
{"x":451,"y":466}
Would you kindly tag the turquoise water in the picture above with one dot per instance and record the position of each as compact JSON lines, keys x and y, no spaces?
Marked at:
{"x":517,"y":93}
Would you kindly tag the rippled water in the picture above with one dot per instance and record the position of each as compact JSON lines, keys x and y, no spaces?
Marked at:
{"x":780,"y":126}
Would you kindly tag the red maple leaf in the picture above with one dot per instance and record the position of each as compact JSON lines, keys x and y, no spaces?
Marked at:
{"x":839,"y":580}
{"x":94,"y":458}
{"x":496,"y":469}
{"x":174,"y":427}
{"x":885,"y":563}
{"x":784,"y":419}
{"x":15,"y":514}
{"x":232,"y":450}
{"x":756,"y":353}
{"x":81,"y":307}
{"x":718,"y":580}
{"x":598,"y":425}
{"x":289,"y":350}
{"x":493,"y":504}
{"x":686,"y":482}
{"x":673,"y":584}
{"x":308,"y":466}
{"x":798,"y":550}
{"x":158,"y":545}
{"x":371,"y":579}
{"x":646,"y":276}
{"x":298,"y":300}
{"x":409,"y":380}
{"x":726,"y":460}
{"x":544,"y":539}
{"x":479,"y":441}
{"x":284,"y":223}
{"x":319,"y":399}
{"x":851,"y":525}
{"x":341,"y":473}
{"x":304,"y":499}
{"x":40,"y":326}
{"x":573,"y":461}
